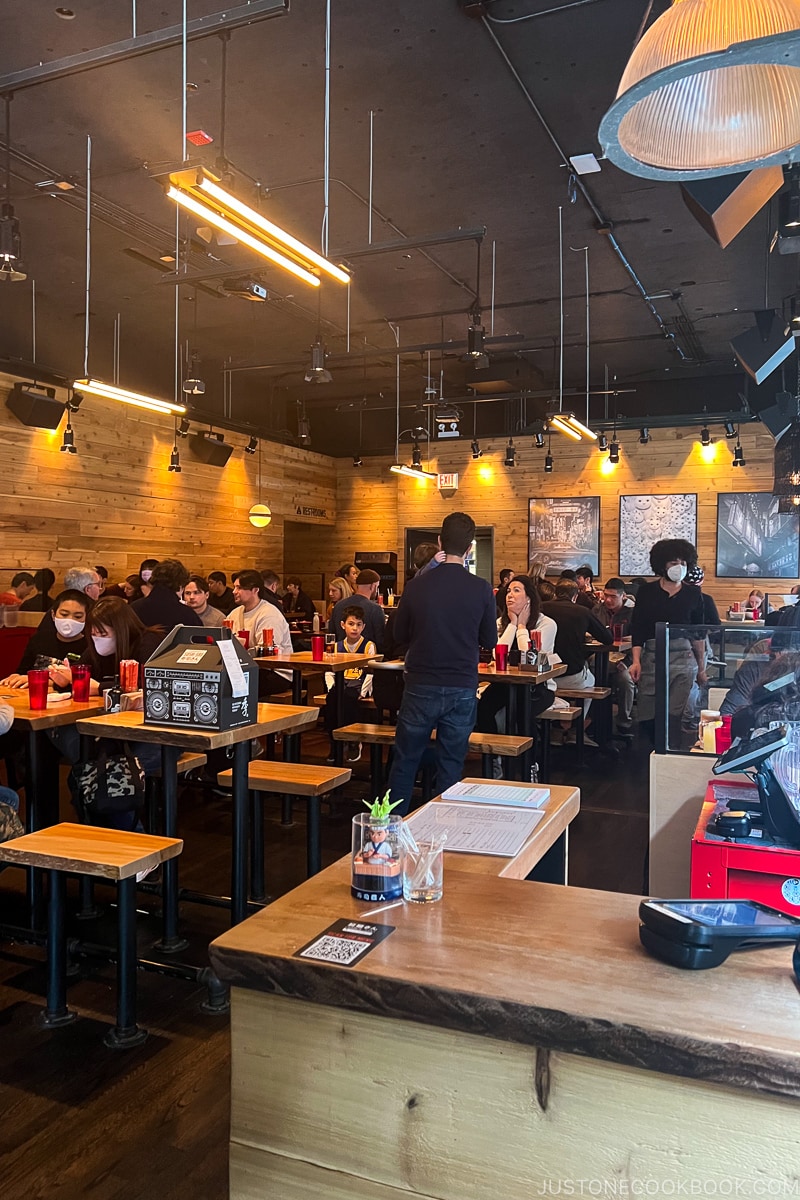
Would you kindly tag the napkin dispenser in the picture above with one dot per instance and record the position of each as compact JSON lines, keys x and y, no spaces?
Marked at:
{"x":200,"y":679}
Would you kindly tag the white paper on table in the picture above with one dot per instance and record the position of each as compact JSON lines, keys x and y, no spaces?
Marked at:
{"x":476,"y":828}
{"x":517,"y":795}
{"x":234,"y":668}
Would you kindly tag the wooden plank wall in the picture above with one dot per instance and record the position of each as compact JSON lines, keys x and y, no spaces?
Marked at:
{"x":375,"y":507}
{"x":115,"y":502}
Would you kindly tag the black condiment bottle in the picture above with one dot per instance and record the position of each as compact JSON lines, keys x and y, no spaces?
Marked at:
{"x":113,"y":696}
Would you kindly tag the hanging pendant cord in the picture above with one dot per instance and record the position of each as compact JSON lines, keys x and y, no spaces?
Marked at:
{"x":88,"y":253}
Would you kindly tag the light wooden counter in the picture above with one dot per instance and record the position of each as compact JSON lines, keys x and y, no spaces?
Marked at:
{"x":513,"y":1038}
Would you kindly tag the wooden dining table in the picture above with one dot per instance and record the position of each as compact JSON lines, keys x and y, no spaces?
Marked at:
{"x":519,"y":719}
{"x":272,"y":718}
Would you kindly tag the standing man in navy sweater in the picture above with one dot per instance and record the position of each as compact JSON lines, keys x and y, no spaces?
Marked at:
{"x":444,"y":616}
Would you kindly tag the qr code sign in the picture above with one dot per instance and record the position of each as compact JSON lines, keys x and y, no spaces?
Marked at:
{"x":335,"y":950}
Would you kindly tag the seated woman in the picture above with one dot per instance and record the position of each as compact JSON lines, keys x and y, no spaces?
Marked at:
{"x":338,"y":589}
{"x":132,"y":587}
{"x":115,"y":633}
{"x":61,"y":632}
{"x":523,"y":614}
{"x":766,"y":704}
{"x":755,"y":601}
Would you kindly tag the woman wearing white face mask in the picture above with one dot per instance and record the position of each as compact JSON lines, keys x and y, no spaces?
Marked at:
{"x":668,"y":599}
{"x":61,"y":632}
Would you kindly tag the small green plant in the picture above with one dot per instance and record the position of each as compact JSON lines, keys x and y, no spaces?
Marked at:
{"x":379,"y":809}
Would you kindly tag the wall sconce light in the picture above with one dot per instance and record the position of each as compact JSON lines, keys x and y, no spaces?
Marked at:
{"x":260,"y":516}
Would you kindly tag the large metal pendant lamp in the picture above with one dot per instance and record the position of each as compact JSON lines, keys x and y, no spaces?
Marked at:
{"x":712,"y":88}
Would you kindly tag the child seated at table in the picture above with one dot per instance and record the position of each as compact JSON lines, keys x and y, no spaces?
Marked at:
{"x":352,"y":642}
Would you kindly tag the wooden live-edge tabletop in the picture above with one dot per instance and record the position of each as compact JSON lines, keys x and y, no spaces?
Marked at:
{"x":272,"y":718}
{"x":517,"y":675}
{"x":65,"y":712}
{"x":302,"y":660}
{"x":554,"y":967}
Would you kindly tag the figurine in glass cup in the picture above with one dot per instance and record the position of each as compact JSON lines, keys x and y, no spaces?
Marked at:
{"x":377,"y":859}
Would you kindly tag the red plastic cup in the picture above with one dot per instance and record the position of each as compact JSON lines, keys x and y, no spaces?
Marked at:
{"x":501,"y":657}
{"x":722,"y":735}
{"x":38,"y":683}
{"x":244,"y":637}
{"x":536,"y":639}
{"x":267,"y":636}
{"x":317,"y":647}
{"x":81,"y":678}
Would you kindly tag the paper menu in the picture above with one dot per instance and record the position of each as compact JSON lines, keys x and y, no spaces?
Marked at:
{"x":476,"y":828}
{"x":233,"y":667}
{"x":519,"y":796}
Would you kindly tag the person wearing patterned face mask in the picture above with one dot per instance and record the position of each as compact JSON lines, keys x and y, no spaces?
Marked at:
{"x":61,"y":632}
{"x":670,"y":598}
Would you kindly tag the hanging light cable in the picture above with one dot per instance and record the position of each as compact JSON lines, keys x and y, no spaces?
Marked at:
{"x":260,"y":514}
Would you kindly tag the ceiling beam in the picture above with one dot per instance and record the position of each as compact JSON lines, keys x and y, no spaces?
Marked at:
{"x":145,"y":43}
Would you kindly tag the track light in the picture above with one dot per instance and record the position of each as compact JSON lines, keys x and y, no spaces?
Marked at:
{"x":510,"y":459}
{"x":416,"y":456}
{"x":175,"y":460}
{"x":183,"y":427}
{"x":68,"y":445}
{"x":317,"y":372}
{"x":730,"y":430}
{"x":476,"y":449}
{"x":613,"y":451}
{"x":357,"y":460}
{"x":548,"y":462}
{"x":475,"y":339}
{"x":738,"y":455}
{"x":539,"y":441}
{"x":644,"y":435}
{"x":602,"y":443}
{"x":705,"y":436}
{"x":11,"y":268}
{"x":304,"y":430}
{"x":74,"y":402}
{"x":252,"y":445}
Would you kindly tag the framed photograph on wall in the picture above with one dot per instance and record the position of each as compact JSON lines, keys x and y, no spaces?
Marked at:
{"x":754,"y":540}
{"x":565,"y":531}
{"x":644,"y":520}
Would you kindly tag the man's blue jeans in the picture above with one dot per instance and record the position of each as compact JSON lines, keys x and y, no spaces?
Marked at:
{"x":451,"y":712}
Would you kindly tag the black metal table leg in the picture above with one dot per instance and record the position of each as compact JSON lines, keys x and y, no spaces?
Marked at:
{"x":34,"y":819}
{"x":126,"y":1033}
{"x":257,"y":883}
{"x":544,"y":751}
{"x":313,"y":846}
{"x":552,"y":866}
{"x":241,"y":759}
{"x":526,"y":730}
{"x":170,"y":942}
{"x":297,"y":687}
{"x":57,"y":1012}
{"x":338,"y":695}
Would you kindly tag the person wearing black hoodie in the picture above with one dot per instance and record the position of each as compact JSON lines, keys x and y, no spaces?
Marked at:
{"x":163,"y":607}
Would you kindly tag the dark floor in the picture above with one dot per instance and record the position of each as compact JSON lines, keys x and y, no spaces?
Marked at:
{"x":80,"y":1120}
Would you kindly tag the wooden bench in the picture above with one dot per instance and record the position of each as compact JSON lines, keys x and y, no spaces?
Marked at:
{"x":68,"y":849}
{"x":546,"y":720}
{"x":378,"y":736}
{"x":286,"y":779}
{"x":602,"y":697}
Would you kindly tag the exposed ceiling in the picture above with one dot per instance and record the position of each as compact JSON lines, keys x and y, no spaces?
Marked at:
{"x":458,"y":146}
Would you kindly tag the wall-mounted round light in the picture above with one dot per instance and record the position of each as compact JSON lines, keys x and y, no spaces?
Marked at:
{"x":260,"y":515}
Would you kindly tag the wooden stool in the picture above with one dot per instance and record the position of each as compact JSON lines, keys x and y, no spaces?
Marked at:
{"x":500,"y":745}
{"x":286,"y":779}
{"x":546,"y":720}
{"x":68,"y":849}
{"x":598,"y":695}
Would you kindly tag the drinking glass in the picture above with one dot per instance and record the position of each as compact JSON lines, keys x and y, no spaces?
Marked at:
{"x":81,"y":677}
{"x":377,"y":858}
{"x":423,"y":871}
{"x":330,"y":644}
{"x":38,"y":683}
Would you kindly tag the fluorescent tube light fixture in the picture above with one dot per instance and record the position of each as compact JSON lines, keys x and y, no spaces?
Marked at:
{"x":559,"y":423}
{"x":94,"y":387}
{"x":199,"y":191}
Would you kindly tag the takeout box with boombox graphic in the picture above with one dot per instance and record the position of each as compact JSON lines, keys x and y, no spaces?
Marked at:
{"x":200,"y":679}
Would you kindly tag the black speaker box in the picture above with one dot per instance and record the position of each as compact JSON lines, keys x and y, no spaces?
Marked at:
{"x":725,"y":204}
{"x":209,"y":450}
{"x":760,"y":355}
{"x":779,"y":416}
{"x":39,"y":408}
